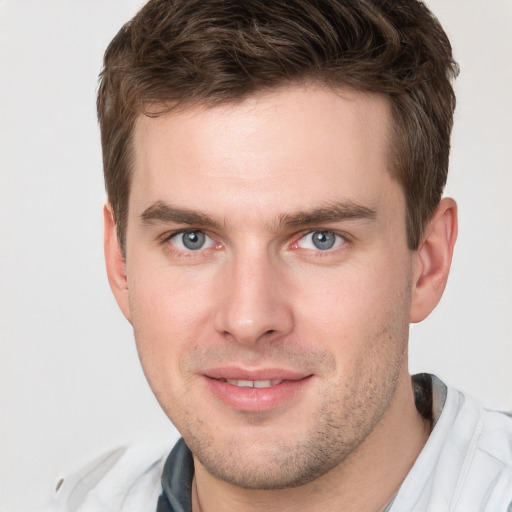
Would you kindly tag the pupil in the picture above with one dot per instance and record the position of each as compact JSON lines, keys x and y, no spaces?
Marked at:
{"x":323,"y":240}
{"x":193,"y":240}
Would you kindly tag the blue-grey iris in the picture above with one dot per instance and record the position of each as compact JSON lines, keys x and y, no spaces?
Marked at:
{"x":193,"y":240}
{"x":323,"y":240}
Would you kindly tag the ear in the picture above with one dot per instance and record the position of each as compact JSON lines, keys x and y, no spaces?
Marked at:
{"x":433,"y":259}
{"x":115,"y":262}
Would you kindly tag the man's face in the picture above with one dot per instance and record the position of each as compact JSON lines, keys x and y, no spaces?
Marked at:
{"x":269,"y":279}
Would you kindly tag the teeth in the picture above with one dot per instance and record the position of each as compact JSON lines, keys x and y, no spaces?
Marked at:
{"x":253,"y":383}
{"x":266,"y":383}
{"x":241,"y":383}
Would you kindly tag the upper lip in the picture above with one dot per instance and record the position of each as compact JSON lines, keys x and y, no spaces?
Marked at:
{"x":236,"y":373}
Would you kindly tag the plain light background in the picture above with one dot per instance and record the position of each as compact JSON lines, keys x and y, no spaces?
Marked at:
{"x":70,"y":382}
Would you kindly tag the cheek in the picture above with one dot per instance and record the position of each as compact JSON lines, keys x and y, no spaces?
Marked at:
{"x":166,"y":299}
{"x":169,"y":315}
{"x":353,"y":305}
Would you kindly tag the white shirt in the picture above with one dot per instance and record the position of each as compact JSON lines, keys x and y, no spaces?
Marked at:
{"x":465,"y":466}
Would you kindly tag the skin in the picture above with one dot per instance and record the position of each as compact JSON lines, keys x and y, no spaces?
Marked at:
{"x":258,"y":178}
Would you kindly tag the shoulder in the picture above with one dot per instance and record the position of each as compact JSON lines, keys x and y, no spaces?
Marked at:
{"x":485,"y":434}
{"x":466,"y":464}
{"x":496,"y":435}
{"x":487,"y":467}
{"x":125,"y":479}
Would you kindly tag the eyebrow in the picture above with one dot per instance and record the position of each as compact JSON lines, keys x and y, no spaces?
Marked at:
{"x":332,"y":213}
{"x":161,"y":212}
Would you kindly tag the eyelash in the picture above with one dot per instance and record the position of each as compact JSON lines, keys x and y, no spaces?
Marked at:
{"x":167,"y":237}
{"x":339,"y":244}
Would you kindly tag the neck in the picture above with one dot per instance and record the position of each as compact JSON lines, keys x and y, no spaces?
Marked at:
{"x":366,"y":480}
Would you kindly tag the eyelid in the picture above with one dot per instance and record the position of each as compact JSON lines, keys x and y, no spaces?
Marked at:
{"x":342,"y":239}
{"x":169,"y":236}
{"x":214,"y":243}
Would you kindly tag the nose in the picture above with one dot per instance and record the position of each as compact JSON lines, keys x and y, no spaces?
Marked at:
{"x":253,"y":302}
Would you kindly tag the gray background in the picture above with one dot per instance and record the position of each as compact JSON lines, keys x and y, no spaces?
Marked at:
{"x":70,"y":383}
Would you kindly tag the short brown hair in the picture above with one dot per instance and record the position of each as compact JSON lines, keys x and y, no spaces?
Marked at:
{"x":184,"y":52}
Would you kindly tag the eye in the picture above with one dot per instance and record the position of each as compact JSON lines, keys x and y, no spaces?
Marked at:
{"x":191,"y":240}
{"x":320,"y":240}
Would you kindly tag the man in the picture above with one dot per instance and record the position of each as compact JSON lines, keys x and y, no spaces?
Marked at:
{"x":275,"y":221}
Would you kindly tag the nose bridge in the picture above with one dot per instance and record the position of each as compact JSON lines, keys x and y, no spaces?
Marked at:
{"x":252,"y":302}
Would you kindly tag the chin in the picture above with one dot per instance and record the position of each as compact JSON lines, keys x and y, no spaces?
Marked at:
{"x":270,"y":459}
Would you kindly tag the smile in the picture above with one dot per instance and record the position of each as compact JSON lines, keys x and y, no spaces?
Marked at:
{"x":263,"y":391}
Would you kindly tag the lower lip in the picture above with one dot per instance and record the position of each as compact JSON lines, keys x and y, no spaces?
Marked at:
{"x":256,"y":399}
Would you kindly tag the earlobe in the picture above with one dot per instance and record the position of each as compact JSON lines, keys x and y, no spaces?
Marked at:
{"x":115,"y":262}
{"x":433,"y":260}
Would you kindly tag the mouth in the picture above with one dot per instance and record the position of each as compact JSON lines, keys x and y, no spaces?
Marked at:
{"x":259,"y":391}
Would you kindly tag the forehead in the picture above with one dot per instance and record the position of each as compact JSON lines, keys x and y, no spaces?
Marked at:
{"x":279,"y":148}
